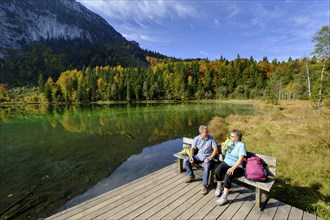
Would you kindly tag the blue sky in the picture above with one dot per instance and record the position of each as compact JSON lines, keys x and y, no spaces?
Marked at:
{"x":208,"y":29}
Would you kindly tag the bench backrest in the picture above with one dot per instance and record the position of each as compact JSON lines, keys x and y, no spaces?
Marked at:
{"x":271,"y":161}
{"x":187,"y":141}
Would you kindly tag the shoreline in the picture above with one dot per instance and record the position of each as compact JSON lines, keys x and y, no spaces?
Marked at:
{"x":235,"y":101}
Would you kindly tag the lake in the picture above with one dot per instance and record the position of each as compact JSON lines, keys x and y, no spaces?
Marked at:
{"x":55,"y":157}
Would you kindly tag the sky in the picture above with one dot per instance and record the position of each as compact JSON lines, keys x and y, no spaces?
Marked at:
{"x":210,"y":28}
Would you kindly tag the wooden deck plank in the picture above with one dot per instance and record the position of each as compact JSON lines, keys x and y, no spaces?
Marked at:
{"x":167,"y":205}
{"x":282,"y":212}
{"x":159,"y":173}
{"x":254,"y":214}
{"x":207,"y":208}
{"x":184,"y":206}
{"x":90,"y":203}
{"x":137,"y":202}
{"x":102,"y":202}
{"x":218,"y":210}
{"x":270,"y":210}
{"x":134,"y":192}
{"x":168,"y":208}
{"x":308,"y":216}
{"x":163,"y":194}
{"x":127,"y":204}
{"x":246,"y":208}
{"x":201,"y":213}
{"x":178,"y":190}
{"x":151,"y":208}
{"x":207,"y":199}
{"x":295,"y":214}
{"x":171,"y":206}
{"x":236,"y":205}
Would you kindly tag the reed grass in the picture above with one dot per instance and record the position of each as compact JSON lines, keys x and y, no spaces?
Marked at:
{"x":299,"y":137}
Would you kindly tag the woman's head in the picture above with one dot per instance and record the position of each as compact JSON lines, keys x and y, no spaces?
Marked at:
{"x":236,"y":135}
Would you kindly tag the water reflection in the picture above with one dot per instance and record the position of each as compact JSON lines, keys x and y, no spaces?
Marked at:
{"x":57,"y":153}
{"x":149,"y":160}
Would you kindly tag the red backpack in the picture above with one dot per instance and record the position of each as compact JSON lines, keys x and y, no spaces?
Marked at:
{"x":256,"y":169}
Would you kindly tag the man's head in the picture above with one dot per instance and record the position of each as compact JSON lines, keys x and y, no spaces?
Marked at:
{"x":235,"y":135}
{"x":203,"y":131}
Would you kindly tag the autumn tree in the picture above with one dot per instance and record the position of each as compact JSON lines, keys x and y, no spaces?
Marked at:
{"x":190,"y":79}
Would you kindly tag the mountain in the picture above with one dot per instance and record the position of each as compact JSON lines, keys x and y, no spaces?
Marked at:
{"x":34,"y":20}
{"x":48,"y":36}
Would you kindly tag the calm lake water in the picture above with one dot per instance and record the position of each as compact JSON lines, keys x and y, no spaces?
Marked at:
{"x":59,"y":156}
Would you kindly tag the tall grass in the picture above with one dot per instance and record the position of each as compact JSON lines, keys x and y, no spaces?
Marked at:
{"x":299,"y":137}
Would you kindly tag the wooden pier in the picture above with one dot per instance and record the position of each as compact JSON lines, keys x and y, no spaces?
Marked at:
{"x":164,"y":195}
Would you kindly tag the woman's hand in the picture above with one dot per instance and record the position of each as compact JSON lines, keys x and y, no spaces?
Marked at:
{"x":230,"y":171}
{"x":223,"y":148}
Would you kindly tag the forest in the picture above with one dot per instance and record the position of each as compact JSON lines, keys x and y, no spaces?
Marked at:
{"x":51,"y":57}
{"x":172,"y":79}
{"x":184,"y":80}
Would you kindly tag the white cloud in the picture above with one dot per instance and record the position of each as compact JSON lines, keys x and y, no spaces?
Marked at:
{"x":139,"y":37}
{"x":300,"y":20}
{"x":147,"y":38}
{"x":216,"y":23}
{"x":203,"y":53}
{"x":234,"y":10}
{"x":257,"y":21}
{"x":139,"y":34}
{"x":185,"y":10}
{"x":267,"y":27}
{"x":141,"y":11}
{"x":136,"y":20}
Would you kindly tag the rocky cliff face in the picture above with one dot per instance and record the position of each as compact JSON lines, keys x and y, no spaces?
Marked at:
{"x":24,"y":21}
{"x":47,"y":37}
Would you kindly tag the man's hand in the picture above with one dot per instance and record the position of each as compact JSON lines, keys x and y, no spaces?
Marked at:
{"x":191,"y":160}
{"x":230,"y":171}
{"x":207,"y":160}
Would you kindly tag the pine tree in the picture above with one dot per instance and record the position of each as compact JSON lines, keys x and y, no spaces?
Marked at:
{"x":41,"y":82}
{"x":48,"y":89}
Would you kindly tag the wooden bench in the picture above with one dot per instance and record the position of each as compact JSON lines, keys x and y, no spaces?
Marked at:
{"x":260,"y":187}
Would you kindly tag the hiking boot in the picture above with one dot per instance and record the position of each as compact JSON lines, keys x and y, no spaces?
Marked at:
{"x":218,"y":190}
{"x":204,"y":190}
{"x":189,"y":179}
{"x":222,"y":201}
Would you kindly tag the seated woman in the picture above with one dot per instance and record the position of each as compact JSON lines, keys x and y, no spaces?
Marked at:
{"x":231,"y":167}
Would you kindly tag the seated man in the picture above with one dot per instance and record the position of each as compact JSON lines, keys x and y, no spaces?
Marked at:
{"x":207,"y":150}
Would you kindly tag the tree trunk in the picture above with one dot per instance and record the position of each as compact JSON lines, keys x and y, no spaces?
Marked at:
{"x":319,"y":103}
{"x":279,"y":92}
{"x":309,"y":85}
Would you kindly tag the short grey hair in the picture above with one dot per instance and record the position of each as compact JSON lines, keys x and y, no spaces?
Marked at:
{"x":202,"y":128}
{"x":238,"y":133}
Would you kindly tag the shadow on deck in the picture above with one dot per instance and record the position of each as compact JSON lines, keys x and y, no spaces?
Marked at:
{"x":163,"y":195}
